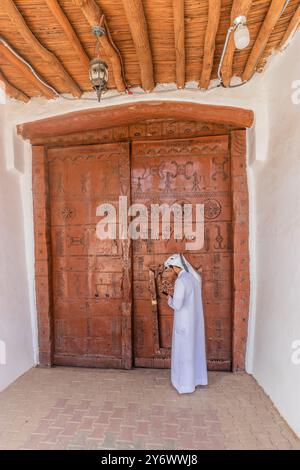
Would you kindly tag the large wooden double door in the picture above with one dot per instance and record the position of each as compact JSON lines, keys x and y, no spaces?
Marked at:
{"x":107,"y":301}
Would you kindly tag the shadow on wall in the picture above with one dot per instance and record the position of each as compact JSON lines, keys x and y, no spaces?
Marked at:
{"x":16,"y":340}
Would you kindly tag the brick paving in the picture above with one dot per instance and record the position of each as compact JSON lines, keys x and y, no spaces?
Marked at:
{"x":70,"y":408}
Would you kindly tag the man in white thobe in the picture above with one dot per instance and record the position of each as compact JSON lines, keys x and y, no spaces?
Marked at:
{"x":188,"y":357}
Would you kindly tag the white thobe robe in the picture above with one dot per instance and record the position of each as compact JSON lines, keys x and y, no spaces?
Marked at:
{"x":188,"y":356}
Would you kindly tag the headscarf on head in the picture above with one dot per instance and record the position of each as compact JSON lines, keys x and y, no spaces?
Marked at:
{"x":181,"y":262}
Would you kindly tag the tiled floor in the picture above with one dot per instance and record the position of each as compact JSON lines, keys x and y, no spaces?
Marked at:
{"x":69,"y":408}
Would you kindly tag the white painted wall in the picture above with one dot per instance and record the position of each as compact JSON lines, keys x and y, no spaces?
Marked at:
{"x":16,"y":335}
{"x":277,"y":194}
{"x":273,"y":179}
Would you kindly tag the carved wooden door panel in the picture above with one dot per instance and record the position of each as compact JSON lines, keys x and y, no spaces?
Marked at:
{"x":91,"y":277}
{"x":184,"y":172}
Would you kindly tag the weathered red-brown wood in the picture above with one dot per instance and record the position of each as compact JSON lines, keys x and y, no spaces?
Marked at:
{"x":12,"y":90}
{"x":126,"y":332}
{"x":214,"y":12}
{"x":154,"y":331}
{"x":136,"y":18}
{"x":184,"y":172}
{"x":241,"y":276}
{"x":150,"y":129}
{"x":129,"y":114}
{"x":91,"y":276}
{"x":43,"y":258}
{"x":179,"y":37}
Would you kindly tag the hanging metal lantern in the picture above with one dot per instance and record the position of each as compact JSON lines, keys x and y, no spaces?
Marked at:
{"x":99,"y":76}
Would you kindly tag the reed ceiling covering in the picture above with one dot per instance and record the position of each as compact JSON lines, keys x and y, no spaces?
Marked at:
{"x":148,"y":42}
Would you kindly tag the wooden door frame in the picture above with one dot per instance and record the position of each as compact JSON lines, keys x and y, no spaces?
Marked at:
{"x":39,"y":132}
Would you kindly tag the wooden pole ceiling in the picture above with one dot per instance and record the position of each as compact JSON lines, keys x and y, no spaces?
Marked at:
{"x":239,"y":8}
{"x":264,"y":34}
{"x":214,"y":12}
{"x":293,"y":26}
{"x":134,"y":11}
{"x":13,"y":91}
{"x":26,"y":72}
{"x":179,"y":36}
{"x":50,"y":59}
{"x":62,"y":19}
{"x":74,"y":24}
{"x":95,"y":17}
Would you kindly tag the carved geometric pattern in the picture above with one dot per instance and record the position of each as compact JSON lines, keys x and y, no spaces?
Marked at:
{"x":162,"y":129}
{"x":212,"y":208}
{"x":179,"y":149}
{"x":68,"y":213}
{"x":220,"y":168}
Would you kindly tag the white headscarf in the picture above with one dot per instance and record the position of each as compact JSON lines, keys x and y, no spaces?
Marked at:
{"x":181,"y":262}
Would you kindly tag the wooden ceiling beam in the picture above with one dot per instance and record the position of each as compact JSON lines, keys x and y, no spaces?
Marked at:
{"x":292,"y":28}
{"x":12,"y":90}
{"x":179,"y":36}
{"x":135,"y":14}
{"x":90,"y":10}
{"x":239,"y":8}
{"x":94,"y":17}
{"x":67,"y":27}
{"x":214,"y":12}
{"x":25,"y":71}
{"x":263,"y":36}
{"x":50,"y":59}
